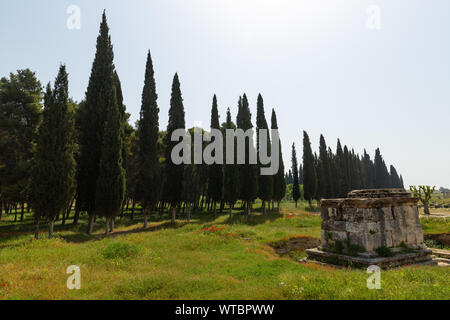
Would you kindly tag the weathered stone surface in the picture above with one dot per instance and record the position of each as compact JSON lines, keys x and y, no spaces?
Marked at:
{"x":370,"y":219}
{"x":422,"y":256}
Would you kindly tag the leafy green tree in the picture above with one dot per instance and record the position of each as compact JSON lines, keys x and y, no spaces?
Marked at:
{"x":309,"y":170}
{"x":265,"y":183}
{"x":215,"y":171}
{"x":110,"y":187}
{"x":148,"y":189}
{"x":174,"y":173}
{"x":295,"y":182}
{"x":20,"y":116}
{"x":423,"y":193}
{"x":279,"y":181}
{"x":231,"y":183}
{"x":53,"y":174}
{"x":248,"y":172}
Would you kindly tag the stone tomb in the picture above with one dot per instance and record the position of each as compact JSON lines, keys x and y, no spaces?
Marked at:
{"x":371,"y":227}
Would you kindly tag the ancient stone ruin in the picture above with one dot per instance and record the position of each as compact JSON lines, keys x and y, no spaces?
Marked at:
{"x":371,"y":227}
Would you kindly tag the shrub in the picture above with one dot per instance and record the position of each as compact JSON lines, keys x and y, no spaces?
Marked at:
{"x":119,"y":250}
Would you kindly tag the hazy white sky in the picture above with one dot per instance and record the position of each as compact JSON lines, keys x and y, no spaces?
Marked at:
{"x":316,"y":62}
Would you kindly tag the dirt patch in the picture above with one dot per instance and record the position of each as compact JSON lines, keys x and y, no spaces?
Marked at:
{"x":300,"y":243}
{"x":440,"y":238}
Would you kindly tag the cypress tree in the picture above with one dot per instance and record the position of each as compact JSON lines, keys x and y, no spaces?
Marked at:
{"x":347,"y":175}
{"x":394,"y":178}
{"x":53,"y":174}
{"x":334,"y":173}
{"x":342,"y":182}
{"x":291,"y":177}
{"x":295,"y":186}
{"x":191,"y":180}
{"x":279,"y":180}
{"x":309,"y":170}
{"x":248,"y":172}
{"x":96,"y":110}
{"x":149,"y":178}
{"x":265,"y":183}
{"x":381,"y":172}
{"x":215,"y":171}
{"x":231,"y":183}
{"x":368,"y":173}
{"x":174,"y":173}
{"x":300,"y":174}
{"x":110,"y":188}
{"x":326,"y":167}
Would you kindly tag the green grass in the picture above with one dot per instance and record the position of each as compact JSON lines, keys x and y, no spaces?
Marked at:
{"x":210,"y":258}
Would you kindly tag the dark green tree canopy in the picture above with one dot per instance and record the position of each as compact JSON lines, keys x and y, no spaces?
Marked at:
{"x":149,"y":178}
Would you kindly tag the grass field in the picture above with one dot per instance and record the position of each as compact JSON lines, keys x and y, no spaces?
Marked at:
{"x":210,"y":258}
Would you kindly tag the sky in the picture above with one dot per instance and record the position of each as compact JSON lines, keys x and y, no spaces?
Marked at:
{"x":372,"y":73}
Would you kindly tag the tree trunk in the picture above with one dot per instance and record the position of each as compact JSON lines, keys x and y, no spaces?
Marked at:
{"x":112,"y":224}
{"x":91,"y":224}
{"x":133,"y":205}
{"x":279,"y":207}
{"x":36,"y":232}
{"x":249,"y":208}
{"x":426,"y":208}
{"x":173,"y":214}
{"x":310,"y":203}
{"x":50,"y":232}
{"x":22,"y":211}
{"x":215,"y":207}
{"x":76,"y":216}
{"x":264,"y":207}
{"x":189,"y":215}
{"x":107,"y":226}
{"x":296,"y":204}
{"x":145,"y":217}
{"x":69,"y":208}
{"x":1,"y":209}
{"x":231,"y":211}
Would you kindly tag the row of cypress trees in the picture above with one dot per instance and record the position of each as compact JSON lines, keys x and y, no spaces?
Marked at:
{"x":333,"y":175}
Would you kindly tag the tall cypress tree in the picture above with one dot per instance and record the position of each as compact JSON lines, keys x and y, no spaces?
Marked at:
{"x":53,"y":174}
{"x":149,"y":178}
{"x":368,"y":172}
{"x":98,"y":102}
{"x":231,"y":183}
{"x":110,"y":188}
{"x":215,"y":171}
{"x":381,"y":172}
{"x":347,"y":169}
{"x":174,"y":173}
{"x":309,"y":170}
{"x":326,"y":167}
{"x":248,"y":172}
{"x":300,"y":174}
{"x":279,"y":181}
{"x":265,"y":183}
{"x":342,"y":182}
{"x":394,"y":178}
{"x":295,"y":186}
